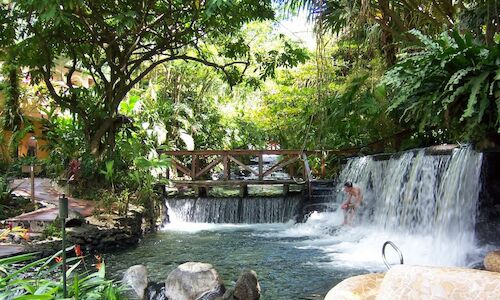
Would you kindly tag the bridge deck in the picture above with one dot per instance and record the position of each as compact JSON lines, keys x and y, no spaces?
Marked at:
{"x":235,"y":182}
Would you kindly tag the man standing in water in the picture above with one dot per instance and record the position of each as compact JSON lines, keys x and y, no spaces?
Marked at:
{"x":354,"y":199}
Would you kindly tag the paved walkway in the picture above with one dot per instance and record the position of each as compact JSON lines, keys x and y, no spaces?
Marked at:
{"x":46,"y":194}
{"x":9,"y":250}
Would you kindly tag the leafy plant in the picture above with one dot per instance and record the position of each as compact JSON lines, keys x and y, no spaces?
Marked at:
{"x":52,"y":230}
{"x":451,"y":82}
{"x":25,"y":277}
{"x":109,"y":173}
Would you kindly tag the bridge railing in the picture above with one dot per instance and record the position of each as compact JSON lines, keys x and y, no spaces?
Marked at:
{"x":197,"y":164}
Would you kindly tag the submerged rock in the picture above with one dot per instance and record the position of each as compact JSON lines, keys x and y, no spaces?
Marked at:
{"x":492,"y":261}
{"x":137,"y":278}
{"x":247,"y":287}
{"x":194,"y":281}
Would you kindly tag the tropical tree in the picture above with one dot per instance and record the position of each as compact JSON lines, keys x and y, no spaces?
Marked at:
{"x":392,"y":19}
{"x":120,"y":43}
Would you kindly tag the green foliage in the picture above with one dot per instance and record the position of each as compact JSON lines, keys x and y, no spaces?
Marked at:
{"x":109,"y":173}
{"x":132,"y":40}
{"x":448,"y":83}
{"x":52,"y":230}
{"x":340,"y":105}
{"x":11,"y":117}
{"x":5,"y":190}
{"x":25,"y":277}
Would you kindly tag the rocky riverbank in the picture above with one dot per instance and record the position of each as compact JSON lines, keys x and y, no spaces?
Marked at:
{"x":99,"y":233}
{"x":192,"y":280}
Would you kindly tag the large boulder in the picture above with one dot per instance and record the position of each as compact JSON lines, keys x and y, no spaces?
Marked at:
{"x":194,"y":281}
{"x":137,"y":278}
{"x":492,"y":261}
{"x":358,"y":287}
{"x":438,"y":283}
{"x":247,"y":287}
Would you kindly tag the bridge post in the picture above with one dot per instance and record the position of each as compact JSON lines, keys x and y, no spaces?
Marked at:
{"x":225,"y":163}
{"x":193,"y":166}
{"x":286,"y":189}
{"x":243,"y":191}
{"x":201,"y":191}
{"x":261,"y":166}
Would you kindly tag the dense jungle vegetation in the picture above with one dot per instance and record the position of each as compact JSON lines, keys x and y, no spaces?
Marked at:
{"x":384,"y":75}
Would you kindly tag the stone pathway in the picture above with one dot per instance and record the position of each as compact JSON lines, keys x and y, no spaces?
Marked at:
{"x":48,"y":195}
{"x":9,"y":250}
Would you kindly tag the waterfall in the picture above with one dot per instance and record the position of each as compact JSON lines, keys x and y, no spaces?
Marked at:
{"x":234,"y":209}
{"x":418,"y":193}
{"x":425,"y":203}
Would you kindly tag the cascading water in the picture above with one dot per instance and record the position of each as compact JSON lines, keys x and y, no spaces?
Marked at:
{"x":425,"y":203}
{"x":234,"y":210}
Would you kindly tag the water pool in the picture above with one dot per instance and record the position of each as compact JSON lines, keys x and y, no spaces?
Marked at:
{"x":287,"y":267}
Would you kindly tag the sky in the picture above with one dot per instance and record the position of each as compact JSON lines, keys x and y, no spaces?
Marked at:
{"x":298,"y":28}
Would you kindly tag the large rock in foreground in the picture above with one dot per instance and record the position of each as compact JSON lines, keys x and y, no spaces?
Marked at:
{"x":417,"y":282}
{"x":492,"y":261}
{"x":137,"y":278}
{"x":358,"y":287}
{"x":433,"y":283}
{"x":194,"y":281}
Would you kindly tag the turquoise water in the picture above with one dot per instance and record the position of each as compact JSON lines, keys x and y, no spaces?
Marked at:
{"x":287,"y":267}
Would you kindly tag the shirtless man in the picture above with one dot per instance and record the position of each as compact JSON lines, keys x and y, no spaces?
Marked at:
{"x":350,"y":205}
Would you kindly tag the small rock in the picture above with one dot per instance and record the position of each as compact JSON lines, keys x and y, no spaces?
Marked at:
{"x":137,"y":278}
{"x":192,"y":281}
{"x":155,"y":291}
{"x":492,"y":261}
{"x":247,"y":287}
{"x":17,"y":239}
{"x":229,"y":294}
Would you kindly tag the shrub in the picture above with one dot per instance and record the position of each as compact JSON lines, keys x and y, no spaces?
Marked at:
{"x":451,"y":82}
{"x":24,"y":277}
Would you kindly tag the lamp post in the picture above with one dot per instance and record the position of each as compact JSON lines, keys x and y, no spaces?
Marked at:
{"x":63,"y":214}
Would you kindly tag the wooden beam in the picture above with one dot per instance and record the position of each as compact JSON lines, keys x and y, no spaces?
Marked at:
{"x":193,"y":165}
{"x":234,"y":182}
{"x":238,"y":152}
{"x":286,"y":189}
{"x":209,"y":166}
{"x":307,"y":169}
{"x":243,"y":191}
{"x":261,"y":167}
{"x":281,"y":164}
{"x":181,"y":167}
{"x":239,"y":163}
{"x":225,"y":163}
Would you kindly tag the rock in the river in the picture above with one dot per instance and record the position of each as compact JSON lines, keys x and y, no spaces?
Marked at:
{"x":194,"y":281}
{"x":247,"y":287}
{"x":137,"y":278}
{"x":492,"y":261}
{"x":155,"y":291}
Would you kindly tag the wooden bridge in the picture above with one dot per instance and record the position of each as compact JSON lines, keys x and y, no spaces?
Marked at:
{"x":196,"y":168}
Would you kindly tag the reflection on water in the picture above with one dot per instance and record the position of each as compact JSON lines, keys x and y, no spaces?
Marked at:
{"x":286,"y":267}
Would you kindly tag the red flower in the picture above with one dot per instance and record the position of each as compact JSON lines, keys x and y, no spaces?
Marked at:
{"x":78,"y":250}
{"x":58,"y":259}
{"x":98,"y":265}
